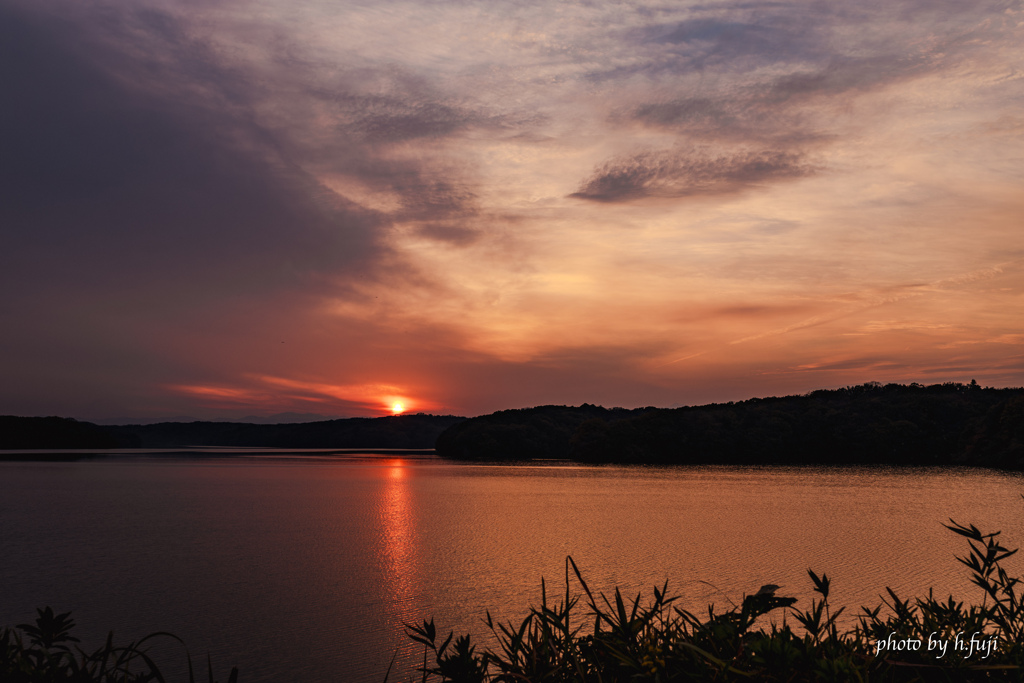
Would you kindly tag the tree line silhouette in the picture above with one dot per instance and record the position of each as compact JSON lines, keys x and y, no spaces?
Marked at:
{"x":897,"y":424}
{"x":396,"y":431}
{"x":941,"y":424}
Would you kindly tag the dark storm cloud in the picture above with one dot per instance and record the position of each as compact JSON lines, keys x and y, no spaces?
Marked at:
{"x":139,"y":151}
{"x":109,"y":179}
{"x":677,"y":174}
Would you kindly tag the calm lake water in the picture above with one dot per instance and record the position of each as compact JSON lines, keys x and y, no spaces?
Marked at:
{"x":304,"y":568}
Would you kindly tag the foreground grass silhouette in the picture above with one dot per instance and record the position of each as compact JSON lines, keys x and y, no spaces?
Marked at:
{"x":920,"y":639}
{"x":47,"y":657}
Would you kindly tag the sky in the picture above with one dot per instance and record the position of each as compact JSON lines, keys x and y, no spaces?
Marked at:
{"x":225,"y":208}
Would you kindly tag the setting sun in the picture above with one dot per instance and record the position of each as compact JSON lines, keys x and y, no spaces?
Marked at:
{"x":397,"y":407}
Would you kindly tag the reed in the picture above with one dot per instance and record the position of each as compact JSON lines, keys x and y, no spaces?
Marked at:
{"x":586,"y":638}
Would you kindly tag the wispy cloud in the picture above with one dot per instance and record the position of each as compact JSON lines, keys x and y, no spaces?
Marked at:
{"x":683,"y":174}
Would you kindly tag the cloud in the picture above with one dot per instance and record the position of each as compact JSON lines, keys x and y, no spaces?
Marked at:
{"x":684,"y":174}
{"x":395,"y":120}
{"x":199,"y":194}
{"x":842,"y":76}
{"x":692,"y":113}
{"x":770,"y":33}
{"x":787,"y":109}
{"x":452,"y":234}
{"x":267,"y":393}
{"x":786,"y":74}
{"x":796,"y":111}
{"x":407,"y":110}
{"x":424,"y":198}
{"x":214,"y":160}
{"x":116,"y":183}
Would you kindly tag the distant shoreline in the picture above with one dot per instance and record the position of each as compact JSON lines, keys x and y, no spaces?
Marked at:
{"x":949,"y":424}
{"x":195,"y":452}
{"x":396,"y":432}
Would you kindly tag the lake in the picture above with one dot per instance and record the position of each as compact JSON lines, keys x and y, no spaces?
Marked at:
{"x":303,"y":567}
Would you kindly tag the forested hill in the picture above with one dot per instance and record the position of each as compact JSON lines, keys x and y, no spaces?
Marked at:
{"x":942,"y":424}
{"x":398,"y":431}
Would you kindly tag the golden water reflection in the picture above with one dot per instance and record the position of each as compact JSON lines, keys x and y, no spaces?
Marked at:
{"x":398,"y":539}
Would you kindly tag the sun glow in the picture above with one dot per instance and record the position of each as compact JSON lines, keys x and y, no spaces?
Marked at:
{"x":397,"y":408}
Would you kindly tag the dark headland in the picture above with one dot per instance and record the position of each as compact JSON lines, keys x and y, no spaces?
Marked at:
{"x":892,"y":424}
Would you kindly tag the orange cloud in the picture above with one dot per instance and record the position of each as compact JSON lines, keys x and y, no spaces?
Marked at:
{"x":280,"y":394}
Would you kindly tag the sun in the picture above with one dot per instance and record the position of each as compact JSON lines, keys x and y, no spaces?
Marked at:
{"x":397,"y":408}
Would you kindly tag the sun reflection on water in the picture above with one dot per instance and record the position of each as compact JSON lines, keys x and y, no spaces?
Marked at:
{"x":398,"y":537}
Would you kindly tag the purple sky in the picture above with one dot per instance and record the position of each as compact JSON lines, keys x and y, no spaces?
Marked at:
{"x":221,"y":209}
